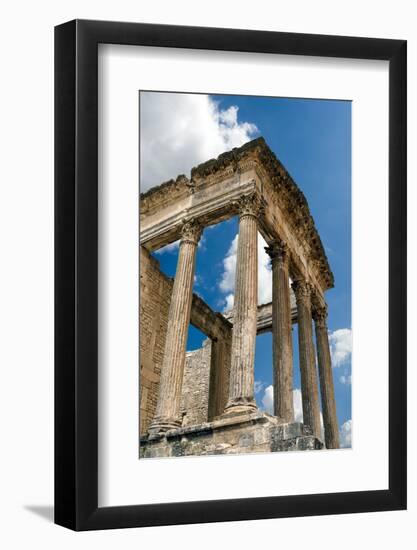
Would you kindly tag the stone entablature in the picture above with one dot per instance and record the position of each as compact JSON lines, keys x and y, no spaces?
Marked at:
{"x":212,"y":195}
{"x":264,"y":317}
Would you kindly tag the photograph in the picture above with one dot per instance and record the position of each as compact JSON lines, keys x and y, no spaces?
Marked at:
{"x":209,"y":266}
{"x":245,"y":274}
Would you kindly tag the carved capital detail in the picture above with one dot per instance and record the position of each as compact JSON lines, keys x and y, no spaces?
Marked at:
{"x":278,"y":251}
{"x":320,"y":316}
{"x":302,"y":291}
{"x":191,"y":232}
{"x":250,"y":205}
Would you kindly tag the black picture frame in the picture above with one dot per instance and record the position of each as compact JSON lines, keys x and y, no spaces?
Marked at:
{"x":76,"y":272}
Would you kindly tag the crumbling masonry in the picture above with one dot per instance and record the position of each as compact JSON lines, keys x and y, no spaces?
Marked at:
{"x":202,"y":402}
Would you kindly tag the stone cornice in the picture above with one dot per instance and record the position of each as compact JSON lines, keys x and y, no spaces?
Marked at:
{"x":159,"y":196}
{"x":257,"y":154}
{"x":293,"y":201}
{"x":229,"y":159}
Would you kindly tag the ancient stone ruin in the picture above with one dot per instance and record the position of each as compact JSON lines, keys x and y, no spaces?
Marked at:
{"x":202,"y":402}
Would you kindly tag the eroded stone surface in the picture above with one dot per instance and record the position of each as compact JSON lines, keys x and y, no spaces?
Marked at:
{"x":195,"y":391}
{"x":248,"y":433}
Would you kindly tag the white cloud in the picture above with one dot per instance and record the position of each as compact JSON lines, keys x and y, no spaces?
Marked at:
{"x":227,"y":281}
{"x":259,"y":386}
{"x":298,"y":405}
{"x":264,"y":273}
{"x":268,"y":400}
{"x":340,"y":346}
{"x":346,"y":434}
{"x":179,"y":131}
{"x":346,"y":379}
{"x":229,"y":300}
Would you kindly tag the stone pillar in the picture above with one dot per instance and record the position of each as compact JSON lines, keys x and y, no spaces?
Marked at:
{"x":309,"y":388}
{"x":281,"y":332}
{"x":331,"y":429}
{"x":241,"y":384}
{"x":167,"y":415}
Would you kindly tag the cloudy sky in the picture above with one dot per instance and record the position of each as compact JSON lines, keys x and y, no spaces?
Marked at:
{"x":312,"y":139}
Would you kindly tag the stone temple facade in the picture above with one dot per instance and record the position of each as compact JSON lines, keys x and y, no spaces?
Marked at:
{"x":202,"y":402}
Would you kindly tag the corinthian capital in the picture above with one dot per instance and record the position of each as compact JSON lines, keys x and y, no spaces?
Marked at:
{"x":320,"y":316}
{"x":250,"y":205}
{"x":191,"y":232}
{"x":302,"y":291}
{"x":278,"y":251}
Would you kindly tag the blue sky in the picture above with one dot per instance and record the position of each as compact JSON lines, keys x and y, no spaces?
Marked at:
{"x":312,"y":138}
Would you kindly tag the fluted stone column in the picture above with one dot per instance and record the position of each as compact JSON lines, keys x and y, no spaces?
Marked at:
{"x":167,"y":415}
{"x":281,"y":333}
{"x":309,"y":387}
{"x":331,"y":429}
{"x":241,"y":385}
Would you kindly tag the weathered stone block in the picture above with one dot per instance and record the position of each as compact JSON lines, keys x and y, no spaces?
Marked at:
{"x":248,"y":433}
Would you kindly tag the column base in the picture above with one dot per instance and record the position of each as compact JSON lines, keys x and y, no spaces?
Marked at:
{"x":162,"y":425}
{"x":240,"y":405}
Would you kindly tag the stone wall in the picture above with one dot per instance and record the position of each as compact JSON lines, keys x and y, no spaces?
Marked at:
{"x":195,"y":390}
{"x":155,"y":296}
{"x":221,"y":350}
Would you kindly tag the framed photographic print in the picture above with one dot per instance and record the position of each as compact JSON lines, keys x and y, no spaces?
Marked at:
{"x":230,"y":275}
